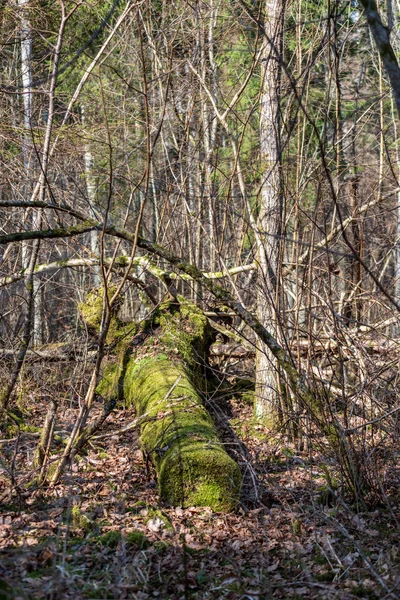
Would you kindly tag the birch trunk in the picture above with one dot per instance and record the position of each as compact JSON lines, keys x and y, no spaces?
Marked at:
{"x":26,"y":77}
{"x":31,"y":220}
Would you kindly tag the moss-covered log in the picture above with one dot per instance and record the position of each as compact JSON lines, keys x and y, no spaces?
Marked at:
{"x":192,"y":466}
{"x":161,"y":371}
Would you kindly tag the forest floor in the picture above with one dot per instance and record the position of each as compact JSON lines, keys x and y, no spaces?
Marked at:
{"x":102,"y":533}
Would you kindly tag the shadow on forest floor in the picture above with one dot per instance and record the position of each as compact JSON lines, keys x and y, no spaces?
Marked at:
{"x":102,"y":533}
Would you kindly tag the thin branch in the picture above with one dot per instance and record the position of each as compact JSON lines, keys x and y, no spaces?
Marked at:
{"x":47,"y":234}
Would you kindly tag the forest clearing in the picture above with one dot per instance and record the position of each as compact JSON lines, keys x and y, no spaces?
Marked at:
{"x":199,"y":299}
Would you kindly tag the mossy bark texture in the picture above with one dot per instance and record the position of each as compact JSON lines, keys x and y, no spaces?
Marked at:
{"x":192,"y":466}
{"x":161,"y":371}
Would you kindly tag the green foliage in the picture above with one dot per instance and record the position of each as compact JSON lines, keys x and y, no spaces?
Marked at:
{"x":15,"y":421}
{"x":192,"y":466}
{"x":234,"y":58}
{"x":80,"y":520}
{"x":155,"y":513}
{"x":91,"y":310}
{"x":111,"y":539}
{"x":85,"y":32}
{"x":138,"y":539}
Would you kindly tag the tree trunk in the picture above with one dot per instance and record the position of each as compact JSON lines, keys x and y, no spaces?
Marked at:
{"x":32,"y":220}
{"x":160,"y":372}
{"x":269,"y":221}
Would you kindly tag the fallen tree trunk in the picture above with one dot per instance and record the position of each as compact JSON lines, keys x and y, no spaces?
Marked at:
{"x":160,"y":372}
{"x":51,"y":353}
{"x":232,"y":351}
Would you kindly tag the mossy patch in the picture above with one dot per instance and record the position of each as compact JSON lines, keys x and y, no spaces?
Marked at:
{"x":91,"y":311}
{"x":138,"y":539}
{"x":192,"y":466}
{"x":199,"y":474}
{"x":137,"y":507}
{"x":14,"y":422}
{"x":155,"y":513}
{"x":111,"y":539}
{"x":185,"y":331}
{"x":109,"y":385}
{"x":247,"y":398}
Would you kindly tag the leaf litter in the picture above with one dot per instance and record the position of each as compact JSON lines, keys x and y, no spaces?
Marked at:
{"x":102,"y":533}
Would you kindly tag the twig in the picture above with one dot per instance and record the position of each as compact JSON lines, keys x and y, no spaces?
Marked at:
{"x":353,"y":429}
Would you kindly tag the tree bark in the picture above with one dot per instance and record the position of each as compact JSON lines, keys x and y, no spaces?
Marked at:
{"x":381,"y":35}
{"x":269,"y":221}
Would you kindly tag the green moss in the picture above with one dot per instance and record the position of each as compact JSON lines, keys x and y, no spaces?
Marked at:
{"x":124,"y":334}
{"x":30,"y":428}
{"x":111,"y":539}
{"x":190,"y":270}
{"x":248,"y":398}
{"x":326,"y":495}
{"x":61,"y":263}
{"x":138,"y":539}
{"x":148,"y":381}
{"x":161,"y":547}
{"x":193,"y":467}
{"x":198,"y":474}
{"x":109,"y":386}
{"x":137,"y":507}
{"x":194,"y":314}
{"x":297,"y":527}
{"x":189,"y":341}
{"x":91,"y":311}
{"x":154,"y":513}
{"x":122,"y":261}
{"x":18,"y":424}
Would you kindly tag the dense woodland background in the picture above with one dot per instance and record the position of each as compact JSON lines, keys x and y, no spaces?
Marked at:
{"x":244,"y":155}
